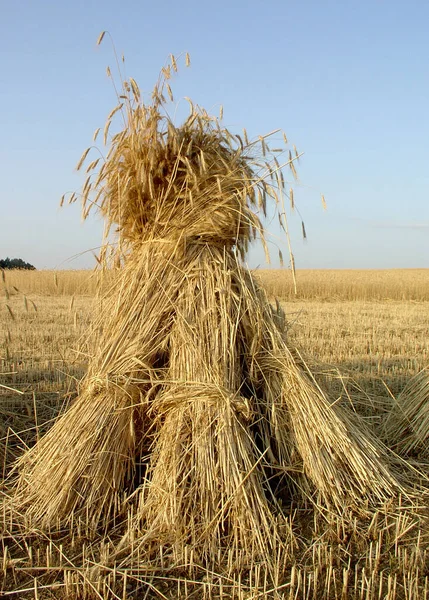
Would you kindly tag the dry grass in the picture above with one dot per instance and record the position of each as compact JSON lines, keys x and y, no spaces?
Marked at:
{"x":369,"y":340}
{"x":38,"y":341}
{"x":322,"y":285}
{"x":407,"y":425}
{"x":331,"y":285}
{"x":51,"y":283}
{"x":337,"y":333}
{"x":202,"y":457}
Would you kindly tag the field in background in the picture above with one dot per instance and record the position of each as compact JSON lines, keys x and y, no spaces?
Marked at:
{"x":352,"y":284}
{"x":50,"y":283}
{"x":394,"y":284}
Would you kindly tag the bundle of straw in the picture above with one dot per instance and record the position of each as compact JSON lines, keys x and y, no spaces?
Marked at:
{"x":407,"y":425}
{"x":194,"y":411}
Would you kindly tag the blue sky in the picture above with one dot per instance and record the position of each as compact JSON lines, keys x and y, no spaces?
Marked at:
{"x":348,"y":81}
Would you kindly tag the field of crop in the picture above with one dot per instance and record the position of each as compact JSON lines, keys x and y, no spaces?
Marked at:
{"x":327,"y":285}
{"x":365,"y":332}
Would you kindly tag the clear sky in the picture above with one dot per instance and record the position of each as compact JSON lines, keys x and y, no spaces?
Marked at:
{"x":347,"y":80}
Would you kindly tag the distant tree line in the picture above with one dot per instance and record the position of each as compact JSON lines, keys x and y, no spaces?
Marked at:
{"x":15,"y":263}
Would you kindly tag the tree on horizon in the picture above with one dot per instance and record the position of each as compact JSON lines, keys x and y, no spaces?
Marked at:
{"x":15,"y":263}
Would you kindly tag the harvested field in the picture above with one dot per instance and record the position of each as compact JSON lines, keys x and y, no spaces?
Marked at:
{"x":369,"y":342}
